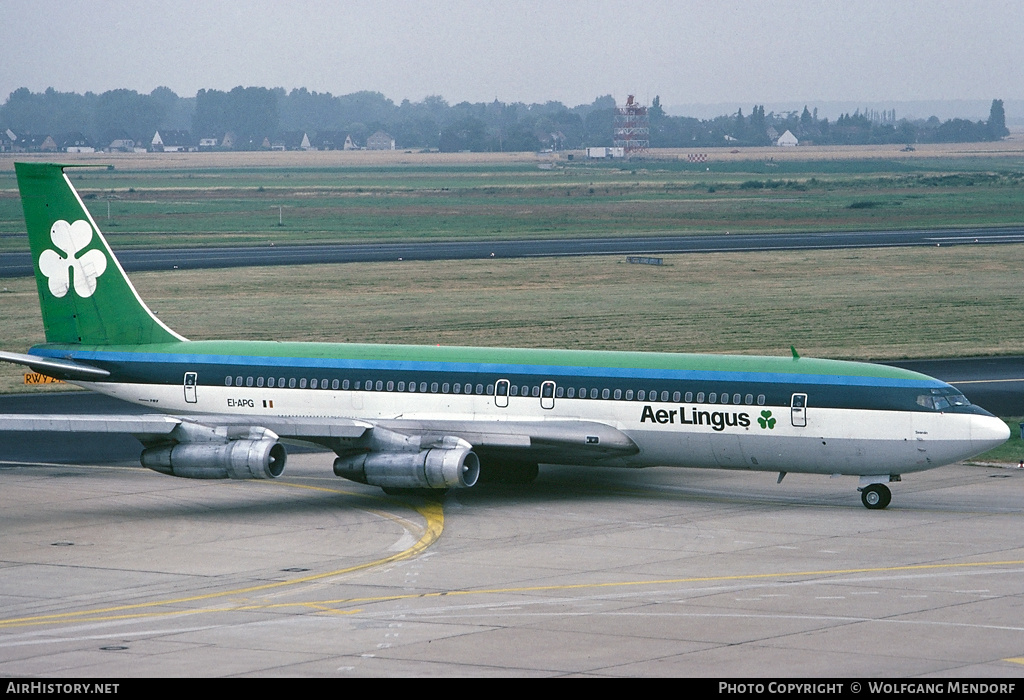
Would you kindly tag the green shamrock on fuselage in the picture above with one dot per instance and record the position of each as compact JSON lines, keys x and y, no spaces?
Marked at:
{"x":766,"y":421}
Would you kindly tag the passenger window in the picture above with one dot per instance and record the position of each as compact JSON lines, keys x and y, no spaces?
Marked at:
{"x":291,"y":383}
{"x":313,"y":384}
{"x":334,"y":384}
{"x":689,"y":396}
{"x":259,"y":381}
{"x":270,"y":382}
{"x":445,"y":388}
{"x":423,"y":387}
{"x":760,"y":399}
{"x":618,"y":394}
{"x":302,"y":383}
{"x":480,"y":389}
{"x":700,"y":397}
{"x":536,"y":392}
{"x":391,"y":386}
{"x":238,"y":381}
{"x":606,"y":393}
{"x":227,"y":381}
{"x":571,"y":393}
{"x":345,"y":385}
{"x":640,"y":395}
{"x":712,"y":397}
{"x":664,"y":396}
{"x":629,"y":394}
{"x":748,"y":399}
{"x":675,"y":396}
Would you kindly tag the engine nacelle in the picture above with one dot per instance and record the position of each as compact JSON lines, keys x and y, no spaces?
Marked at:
{"x":436,"y":468}
{"x":237,"y":459}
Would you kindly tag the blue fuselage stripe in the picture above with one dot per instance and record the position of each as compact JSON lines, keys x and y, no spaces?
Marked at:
{"x":546,"y":371}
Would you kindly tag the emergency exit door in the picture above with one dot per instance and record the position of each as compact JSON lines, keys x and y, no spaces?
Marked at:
{"x":798,"y":410}
{"x":191,"y":378}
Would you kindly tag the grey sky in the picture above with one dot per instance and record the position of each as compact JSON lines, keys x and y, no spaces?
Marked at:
{"x":686,"y":51}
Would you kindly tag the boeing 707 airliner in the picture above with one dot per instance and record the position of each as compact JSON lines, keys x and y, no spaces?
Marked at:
{"x":410,"y":417}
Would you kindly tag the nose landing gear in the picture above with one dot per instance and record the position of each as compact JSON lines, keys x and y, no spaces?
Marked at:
{"x":875,"y":496}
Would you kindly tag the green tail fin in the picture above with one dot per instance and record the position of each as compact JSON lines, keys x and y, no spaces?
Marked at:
{"x":84,"y":294}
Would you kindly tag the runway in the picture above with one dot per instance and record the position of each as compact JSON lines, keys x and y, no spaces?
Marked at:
{"x":20,"y":264}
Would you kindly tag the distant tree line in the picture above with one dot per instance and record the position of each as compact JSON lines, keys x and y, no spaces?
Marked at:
{"x":868,"y":127}
{"x":253,"y":113}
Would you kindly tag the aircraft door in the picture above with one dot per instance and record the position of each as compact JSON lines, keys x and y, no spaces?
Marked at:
{"x":798,"y":410}
{"x":501,"y":393}
{"x":547,"y":395}
{"x":191,"y":379}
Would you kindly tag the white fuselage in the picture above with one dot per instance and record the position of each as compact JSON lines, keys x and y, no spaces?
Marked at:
{"x":821,"y":440}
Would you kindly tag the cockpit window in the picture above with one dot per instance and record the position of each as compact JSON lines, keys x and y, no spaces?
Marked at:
{"x":941,"y":399}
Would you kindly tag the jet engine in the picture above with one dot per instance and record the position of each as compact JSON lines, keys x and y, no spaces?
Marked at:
{"x":436,"y":468}
{"x":236,"y":459}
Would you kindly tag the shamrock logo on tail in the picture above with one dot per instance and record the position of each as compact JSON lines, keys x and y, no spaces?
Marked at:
{"x":70,"y":239}
{"x":766,"y":421}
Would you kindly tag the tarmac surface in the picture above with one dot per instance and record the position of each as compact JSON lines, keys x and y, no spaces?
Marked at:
{"x":110,"y":570}
{"x":118,"y":572}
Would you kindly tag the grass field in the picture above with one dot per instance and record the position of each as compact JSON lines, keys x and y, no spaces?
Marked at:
{"x":866,"y":304}
{"x":224,"y":198}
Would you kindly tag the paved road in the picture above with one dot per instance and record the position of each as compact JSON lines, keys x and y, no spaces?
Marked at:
{"x":20,"y":264}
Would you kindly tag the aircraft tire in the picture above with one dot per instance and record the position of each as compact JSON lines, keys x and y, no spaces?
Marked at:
{"x":876,"y":496}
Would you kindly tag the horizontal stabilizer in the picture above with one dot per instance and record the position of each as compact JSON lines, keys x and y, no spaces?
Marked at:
{"x":57,"y":368}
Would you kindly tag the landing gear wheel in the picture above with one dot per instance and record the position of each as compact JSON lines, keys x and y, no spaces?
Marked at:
{"x":875,"y":496}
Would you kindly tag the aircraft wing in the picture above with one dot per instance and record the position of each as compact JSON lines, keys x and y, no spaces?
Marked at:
{"x":150,"y":427}
{"x":536,"y":441}
{"x":541,"y":441}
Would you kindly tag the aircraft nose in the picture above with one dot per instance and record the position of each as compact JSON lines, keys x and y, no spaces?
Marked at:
{"x":988,"y":432}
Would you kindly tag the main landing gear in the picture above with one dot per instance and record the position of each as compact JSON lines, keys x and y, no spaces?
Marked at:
{"x":875,"y":496}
